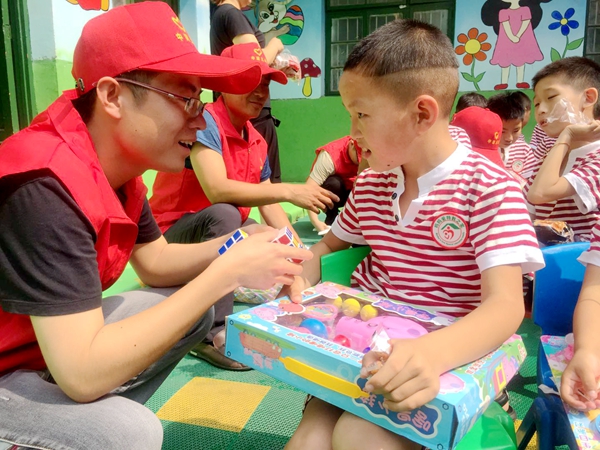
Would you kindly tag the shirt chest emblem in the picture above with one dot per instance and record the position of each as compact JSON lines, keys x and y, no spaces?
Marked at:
{"x":449,"y":230}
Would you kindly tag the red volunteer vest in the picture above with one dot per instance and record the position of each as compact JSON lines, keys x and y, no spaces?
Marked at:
{"x":344,"y":166}
{"x":58,"y":141}
{"x":177,"y":194}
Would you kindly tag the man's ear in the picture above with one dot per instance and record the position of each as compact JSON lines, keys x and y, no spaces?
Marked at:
{"x":590,"y":97}
{"x":426,"y":111}
{"x":108,"y":91}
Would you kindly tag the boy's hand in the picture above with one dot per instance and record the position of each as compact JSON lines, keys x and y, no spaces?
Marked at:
{"x":408,"y":378}
{"x":588,"y":132}
{"x":294,"y":290}
{"x":258,"y":263}
{"x":579,"y":383}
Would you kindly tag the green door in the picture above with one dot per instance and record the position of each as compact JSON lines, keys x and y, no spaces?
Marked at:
{"x":16,"y":92}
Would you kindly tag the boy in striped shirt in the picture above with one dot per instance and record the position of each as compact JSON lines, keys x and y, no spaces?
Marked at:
{"x":566,"y":186}
{"x":579,"y":384}
{"x":448,"y":229}
{"x":513,"y":148}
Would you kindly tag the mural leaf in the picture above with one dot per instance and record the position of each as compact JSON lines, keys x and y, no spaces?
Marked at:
{"x":467,"y":76}
{"x":575,"y":44}
{"x":479,"y":77}
{"x":554,"y":55}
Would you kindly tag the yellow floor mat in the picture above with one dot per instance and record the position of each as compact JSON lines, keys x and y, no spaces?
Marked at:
{"x":212,"y":403}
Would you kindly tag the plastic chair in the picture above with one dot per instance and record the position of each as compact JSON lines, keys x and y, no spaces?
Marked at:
{"x":555,"y":292}
{"x":495,"y":429}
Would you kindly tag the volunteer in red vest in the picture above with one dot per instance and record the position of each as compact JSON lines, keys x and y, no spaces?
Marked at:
{"x":226,"y":174}
{"x":335,"y":168}
{"x":75,"y":370}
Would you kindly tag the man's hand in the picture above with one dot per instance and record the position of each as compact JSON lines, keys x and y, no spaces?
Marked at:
{"x":408,"y":378}
{"x":258,"y":263}
{"x":311,"y":197}
{"x":579,"y":382}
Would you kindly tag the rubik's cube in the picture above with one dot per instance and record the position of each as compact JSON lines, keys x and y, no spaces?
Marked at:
{"x":286,"y":237}
{"x":235,"y":237}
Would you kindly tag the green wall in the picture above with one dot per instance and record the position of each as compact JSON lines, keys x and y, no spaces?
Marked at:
{"x":305,"y":125}
{"x":50,"y":78}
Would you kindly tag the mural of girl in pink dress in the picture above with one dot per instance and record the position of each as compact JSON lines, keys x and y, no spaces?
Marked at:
{"x":514,"y":22}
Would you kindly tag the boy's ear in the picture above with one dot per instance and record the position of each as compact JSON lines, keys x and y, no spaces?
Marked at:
{"x":590,"y":97}
{"x":108,"y":91}
{"x":426,"y":110}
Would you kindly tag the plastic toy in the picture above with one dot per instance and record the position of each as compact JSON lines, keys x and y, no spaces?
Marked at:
{"x":597,"y":424}
{"x":350,"y":307}
{"x":367,"y":312}
{"x":360,"y":333}
{"x":342,"y":340}
{"x":315,"y":327}
{"x":321,"y":311}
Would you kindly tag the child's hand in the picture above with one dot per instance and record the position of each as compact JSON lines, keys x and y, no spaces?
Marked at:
{"x":294,"y":290}
{"x":409,"y":377}
{"x":587,"y":132}
{"x":579,"y":383}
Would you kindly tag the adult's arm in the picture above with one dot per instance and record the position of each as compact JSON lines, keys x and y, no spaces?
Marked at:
{"x":212,"y":174}
{"x":271,"y":50}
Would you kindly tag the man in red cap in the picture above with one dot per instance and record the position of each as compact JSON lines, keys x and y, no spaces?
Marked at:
{"x":75,"y":370}
{"x":226,"y":174}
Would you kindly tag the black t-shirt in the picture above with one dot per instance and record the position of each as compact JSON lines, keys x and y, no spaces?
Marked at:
{"x":47,"y":256}
{"x":228,"y":22}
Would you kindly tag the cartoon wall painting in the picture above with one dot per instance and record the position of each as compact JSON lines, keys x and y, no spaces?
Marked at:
{"x":91,"y":5}
{"x":513,"y":39}
{"x":277,"y":19}
{"x":308,"y":70}
{"x":514,"y":22}
{"x":566,"y":23}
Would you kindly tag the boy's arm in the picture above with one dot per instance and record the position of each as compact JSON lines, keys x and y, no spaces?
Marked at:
{"x":410,"y":376}
{"x":313,"y":216}
{"x":212,"y":175}
{"x":88,"y":359}
{"x":548,"y":184}
{"x":583,"y":372}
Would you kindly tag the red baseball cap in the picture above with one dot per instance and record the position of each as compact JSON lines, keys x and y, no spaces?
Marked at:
{"x":150,"y":36}
{"x":484,"y":128}
{"x":251,"y":51}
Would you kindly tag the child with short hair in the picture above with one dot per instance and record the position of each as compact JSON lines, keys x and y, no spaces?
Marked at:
{"x":525,"y":101}
{"x":579,"y":384}
{"x":470,"y":99}
{"x":566,"y":186}
{"x":335,"y":168}
{"x":448,"y":229}
{"x":513,"y":148}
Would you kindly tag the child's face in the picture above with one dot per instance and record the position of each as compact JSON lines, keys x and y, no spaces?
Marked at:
{"x":511,"y":130}
{"x":379,"y":122}
{"x":549,"y":92}
{"x":248,"y":106}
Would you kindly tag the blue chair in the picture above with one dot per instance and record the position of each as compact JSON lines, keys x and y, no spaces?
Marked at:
{"x":555,"y":292}
{"x":495,"y":429}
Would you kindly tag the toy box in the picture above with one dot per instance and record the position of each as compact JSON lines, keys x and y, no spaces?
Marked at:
{"x":257,"y":296}
{"x":317,"y":346}
{"x":583,"y":423}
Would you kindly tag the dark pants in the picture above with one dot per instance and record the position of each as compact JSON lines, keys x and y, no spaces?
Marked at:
{"x":212,"y":222}
{"x":335,"y":184}
{"x":265,"y":125}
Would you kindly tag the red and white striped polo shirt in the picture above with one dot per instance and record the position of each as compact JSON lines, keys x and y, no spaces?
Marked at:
{"x":470,"y":215}
{"x":580,"y":211}
{"x":515,"y":158}
{"x":592,"y":255}
{"x":540,"y":144}
{"x":459,"y":135}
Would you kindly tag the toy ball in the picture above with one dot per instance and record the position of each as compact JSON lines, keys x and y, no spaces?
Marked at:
{"x":342,"y":340}
{"x":368,"y":312}
{"x":597,"y":424}
{"x":315,"y":327}
{"x":338,"y":302}
{"x":350,"y":307}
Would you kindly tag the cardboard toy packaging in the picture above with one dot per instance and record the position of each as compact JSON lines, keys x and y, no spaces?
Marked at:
{"x":318,"y":345}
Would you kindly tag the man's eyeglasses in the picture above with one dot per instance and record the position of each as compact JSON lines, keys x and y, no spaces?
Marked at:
{"x":193,"y":106}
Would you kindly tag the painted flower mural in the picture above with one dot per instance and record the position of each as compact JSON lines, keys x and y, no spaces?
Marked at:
{"x":473,"y":47}
{"x":566,"y":24}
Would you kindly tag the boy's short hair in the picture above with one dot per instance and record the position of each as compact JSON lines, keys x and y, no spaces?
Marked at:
{"x":471,"y":99}
{"x":523,"y":98}
{"x":506,"y":106}
{"x":409,"y":58}
{"x":576,"y":71}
